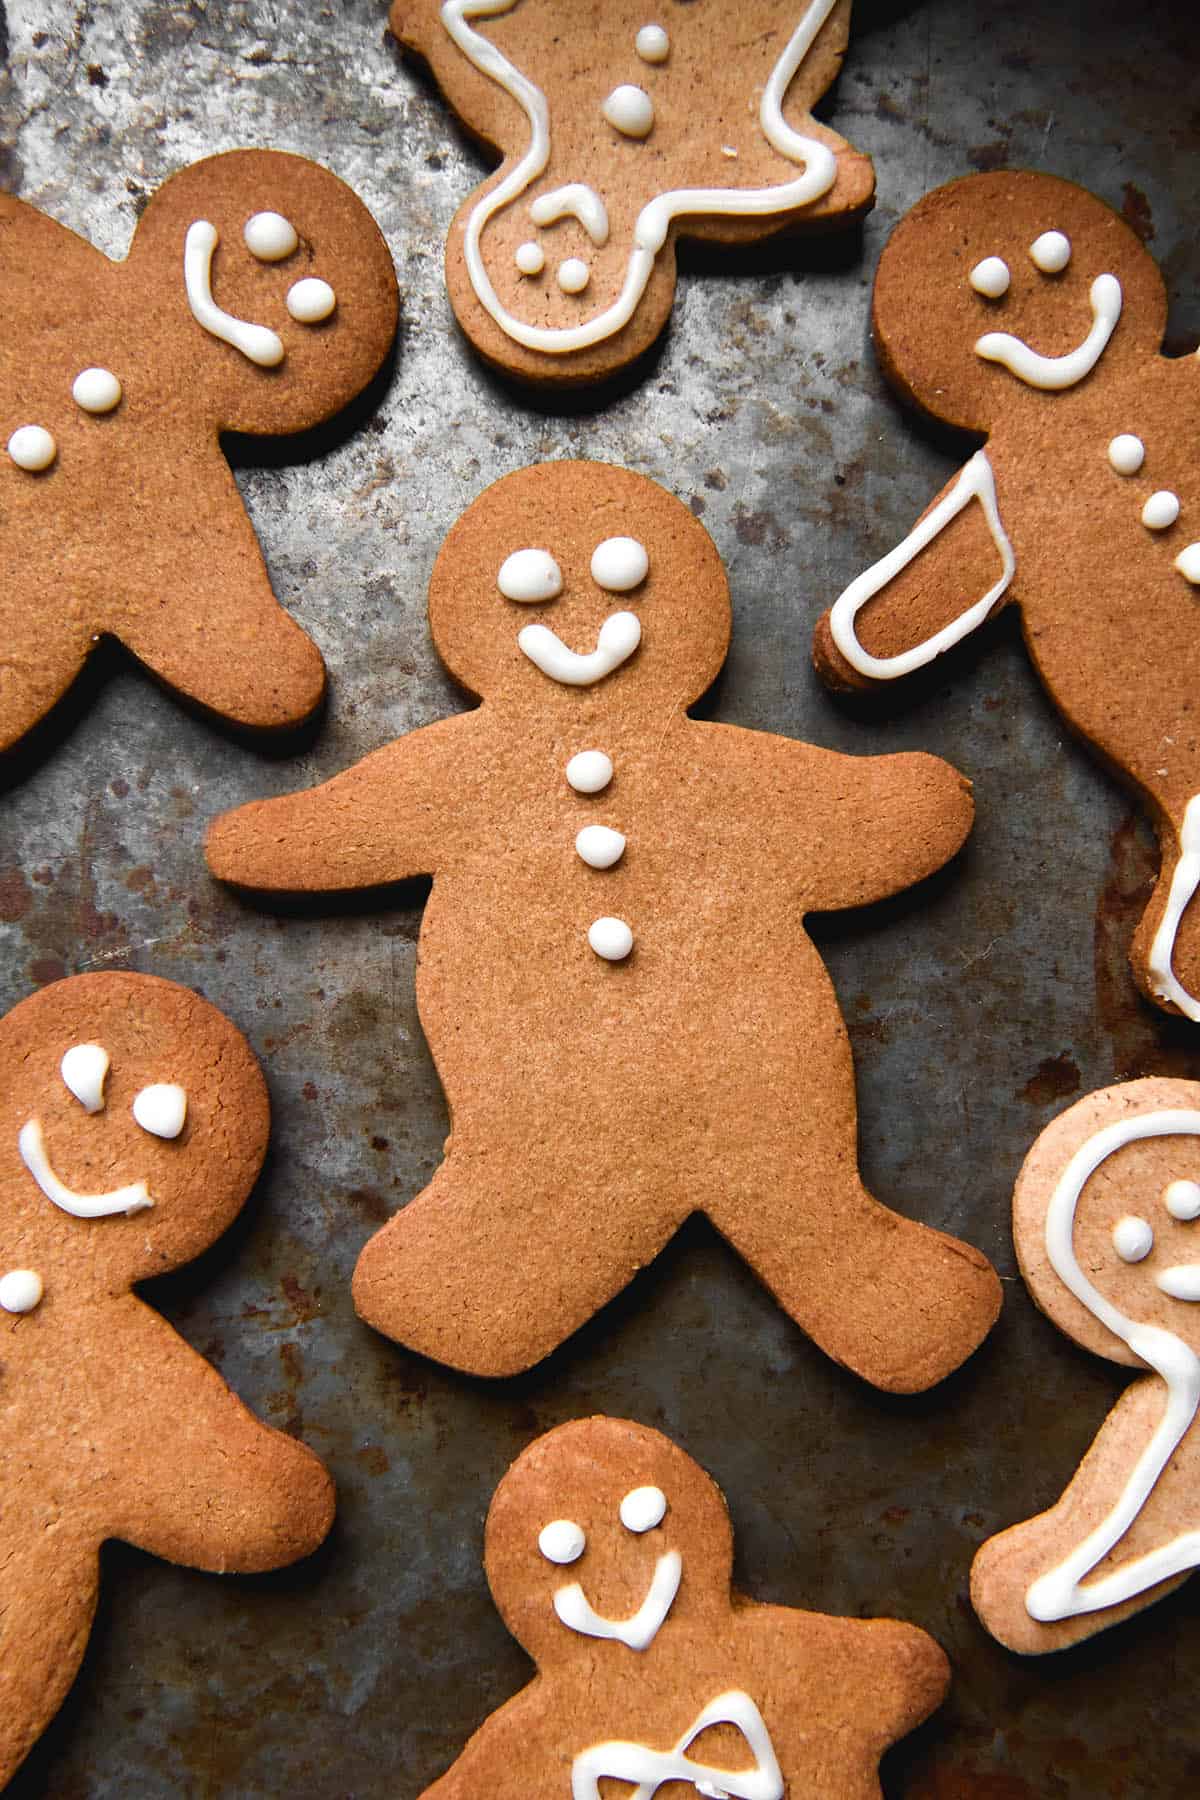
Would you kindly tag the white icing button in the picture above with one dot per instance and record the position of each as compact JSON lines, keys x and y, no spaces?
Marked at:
{"x":1132,"y":1239}
{"x":1160,"y":510}
{"x":561,"y":1541}
{"x":1188,"y":564}
{"x":589,"y":772}
{"x":84,"y":1069}
{"x":610,"y":938}
{"x":161,"y":1109}
{"x":529,"y":258}
{"x":1182,"y":1199}
{"x":31,"y":447}
{"x":1126,"y":453}
{"x":599,"y":846}
{"x":270,"y":236}
{"x":309,"y":301}
{"x":96,"y":390}
{"x":1051,"y":252}
{"x":652,"y":44}
{"x":990,"y":277}
{"x":630,"y":110}
{"x":619,"y":564}
{"x":643,"y":1509}
{"x":530,"y":576}
{"x":20,"y":1290}
{"x":573,"y":275}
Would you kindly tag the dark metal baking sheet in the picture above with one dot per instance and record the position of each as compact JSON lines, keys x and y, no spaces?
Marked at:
{"x":978,"y":1006}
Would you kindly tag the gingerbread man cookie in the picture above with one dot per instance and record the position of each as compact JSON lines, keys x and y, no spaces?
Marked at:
{"x":609,"y":1554}
{"x":1105,"y":1220}
{"x":628,"y":1017}
{"x":259,"y":297}
{"x":1019,"y":306}
{"x":133,"y":1122}
{"x":622,"y":127}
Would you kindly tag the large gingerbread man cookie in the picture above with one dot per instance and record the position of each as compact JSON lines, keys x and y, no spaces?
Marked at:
{"x":627,"y":1014}
{"x":1020,"y":306}
{"x":1106,"y":1217}
{"x":622,"y":127}
{"x":133,"y":1122}
{"x":259,"y":297}
{"x":609,"y":1554}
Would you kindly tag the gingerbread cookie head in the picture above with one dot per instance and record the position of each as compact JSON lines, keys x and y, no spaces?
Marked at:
{"x":133,"y":1124}
{"x":576,"y":578}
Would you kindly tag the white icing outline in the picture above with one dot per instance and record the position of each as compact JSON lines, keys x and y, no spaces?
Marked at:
{"x":1054,"y":373}
{"x":574,"y":200}
{"x":32,"y":1145}
{"x":1059,"y":1594}
{"x":654,"y":220}
{"x":648,"y":1769}
{"x":618,"y":638}
{"x":1184,"y":882}
{"x":975,"y":482}
{"x":257,"y":343}
{"x":576,"y":1612}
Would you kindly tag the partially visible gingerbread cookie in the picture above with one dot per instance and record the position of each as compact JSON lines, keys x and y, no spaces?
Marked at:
{"x":623,"y":127}
{"x":1022,"y":307}
{"x":133,"y":1122}
{"x":609,"y":1553}
{"x":1106,"y":1217}
{"x":258,"y":296}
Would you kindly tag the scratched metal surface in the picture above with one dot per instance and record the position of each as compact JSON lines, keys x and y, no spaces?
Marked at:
{"x":977,"y":1009}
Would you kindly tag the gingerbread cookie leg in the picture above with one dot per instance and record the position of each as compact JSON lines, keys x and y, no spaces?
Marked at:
{"x":47,"y":1601}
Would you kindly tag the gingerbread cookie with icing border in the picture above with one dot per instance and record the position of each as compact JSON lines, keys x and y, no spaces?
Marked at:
{"x":622,"y":127}
{"x":630,"y":1022}
{"x":258,"y":296}
{"x":1020,"y":306}
{"x":609,"y":1554}
{"x":133,"y":1123}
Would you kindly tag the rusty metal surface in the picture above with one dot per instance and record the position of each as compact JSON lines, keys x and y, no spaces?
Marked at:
{"x":978,"y":1007}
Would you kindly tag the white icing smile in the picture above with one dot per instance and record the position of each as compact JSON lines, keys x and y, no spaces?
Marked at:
{"x":1057,"y":372}
{"x":619,"y":637}
{"x":576,"y":1611}
{"x":32,"y":1146}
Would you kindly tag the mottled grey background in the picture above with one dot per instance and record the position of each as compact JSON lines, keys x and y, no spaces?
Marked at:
{"x":978,"y":1007}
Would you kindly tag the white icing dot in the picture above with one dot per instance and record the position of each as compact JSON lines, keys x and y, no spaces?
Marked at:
{"x":589,"y":772}
{"x":20,"y":1290}
{"x":1126,"y":453}
{"x":530,"y":576}
{"x":96,"y":390}
{"x":599,"y":846}
{"x":990,"y":277}
{"x":573,"y":275}
{"x":1182,"y":1199}
{"x":1188,"y":564}
{"x":530,"y":258}
{"x":161,"y":1109}
{"x":610,"y":938}
{"x":84,"y":1069}
{"x":643,"y":1509}
{"x":1051,"y":252}
{"x":270,"y":236}
{"x":619,"y":564}
{"x":309,"y":301}
{"x":31,"y":447}
{"x":1132,"y":1239}
{"x":1160,"y":510}
{"x":562,"y":1541}
{"x":630,"y":110}
{"x":652,"y":44}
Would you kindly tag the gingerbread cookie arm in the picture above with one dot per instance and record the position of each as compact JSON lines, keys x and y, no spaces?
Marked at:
{"x":496,"y":1760}
{"x":48,"y":1586}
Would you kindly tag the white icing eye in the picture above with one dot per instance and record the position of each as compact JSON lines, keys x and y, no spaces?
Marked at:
{"x":84,"y":1069}
{"x":1051,"y":252}
{"x":990,"y":277}
{"x":270,"y":236}
{"x":529,"y":258}
{"x":599,"y":846}
{"x":161,"y":1109}
{"x":1188,"y":564}
{"x":630,"y":111}
{"x":309,"y":301}
{"x":1182,"y":1199}
{"x":20,"y":1290}
{"x":1132,"y":1239}
{"x":589,"y":772}
{"x":562,"y":1541}
{"x":1126,"y":453}
{"x":619,"y":564}
{"x":31,"y":447}
{"x":1160,"y":510}
{"x":95,"y":390}
{"x":573,"y":275}
{"x":610,"y":939}
{"x":643,"y":1509}
{"x":530,"y":576}
{"x":652,"y":44}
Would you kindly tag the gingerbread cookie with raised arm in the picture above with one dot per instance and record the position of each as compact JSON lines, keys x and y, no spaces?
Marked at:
{"x":258,"y":296}
{"x":1106,"y":1217}
{"x":609,"y":1554}
{"x":621,"y":128}
{"x":1020,"y":306}
{"x":133,"y":1123}
{"x":629,"y":1019}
